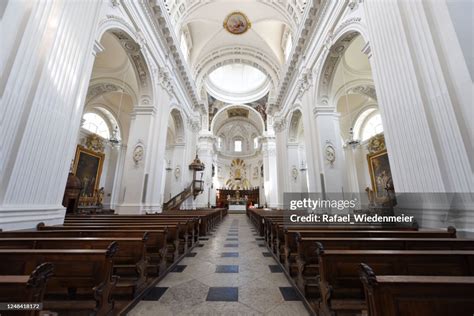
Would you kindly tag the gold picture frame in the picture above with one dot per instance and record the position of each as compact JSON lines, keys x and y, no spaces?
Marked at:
{"x":88,"y":168}
{"x":237,"y":23}
{"x":380,"y":173}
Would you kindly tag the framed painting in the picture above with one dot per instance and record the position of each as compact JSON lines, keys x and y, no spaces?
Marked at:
{"x":88,"y":168}
{"x":380,"y":174}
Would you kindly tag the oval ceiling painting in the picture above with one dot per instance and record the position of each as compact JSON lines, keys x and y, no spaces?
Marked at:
{"x":237,"y":23}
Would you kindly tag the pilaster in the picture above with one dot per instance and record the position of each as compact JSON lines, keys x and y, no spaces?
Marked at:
{"x":42,"y":96}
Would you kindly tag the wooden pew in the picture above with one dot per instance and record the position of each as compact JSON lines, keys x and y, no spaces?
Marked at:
{"x":189,"y":227}
{"x":307,"y":260}
{"x":176,"y":232}
{"x":340,"y":286}
{"x":192,"y":224}
{"x":156,"y":246}
{"x":207,"y":218}
{"x":25,"y":288}
{"x":278,"y":230}
{"x":130,"y":260}
{"x":290,"y":248}
{"x":82,"y":279}
{"x":399,"y":295}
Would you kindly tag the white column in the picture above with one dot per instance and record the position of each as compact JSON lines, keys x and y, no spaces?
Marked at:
{"x":116,"y":199}
{"x":440,"y":107}
{"x":282,"y":163}
{"x":178,"y":160}
{"x":311,"y":142}
{"x":206,"y":154}
{"x":135,"y":179}
{"x":426,"y":139}
{"x":294,"y":185}
{"x":270,"y":170}
{"x":46,"y":65}
{"x":411,"y":150}
{"x":329,"y":133}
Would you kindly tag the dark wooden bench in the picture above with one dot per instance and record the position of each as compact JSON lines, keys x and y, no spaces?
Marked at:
{"x":399,"y":295}
{"x":291,"y":235}
{"x":276,"y":239}
{"x":191,"y":230}
{"x":82,"y":279}
{"x":25,"y":288}
{"x":342,"y":291}
{"x":176,"y":232}
{"x":130,"y":260}
{"x":157,"y":243}
{"x":307,"y":259}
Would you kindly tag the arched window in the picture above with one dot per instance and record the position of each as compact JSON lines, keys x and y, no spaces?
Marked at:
{"x":96,"y":124}
{"x":184,"y":46}
{"x":372,"y":127}
{"x":237,"y":146}
{"x":368,"y":124}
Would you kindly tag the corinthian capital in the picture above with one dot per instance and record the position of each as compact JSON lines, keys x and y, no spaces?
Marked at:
{"x":164,"y":79}
{"x":305,"y":82}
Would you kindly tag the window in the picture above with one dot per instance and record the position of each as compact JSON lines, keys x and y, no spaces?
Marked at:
{"x":255,"y":143}
{"x":96,"y":124}
{"x":368,"y":124}
{"x":238,"y":146}
{"x":372,"y":127}
{"x":288,"y":46}
{"x":184,"y":46}
{"x":219,"y":142}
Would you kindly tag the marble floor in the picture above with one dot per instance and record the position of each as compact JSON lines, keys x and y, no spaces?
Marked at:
{"x":229,"y":273}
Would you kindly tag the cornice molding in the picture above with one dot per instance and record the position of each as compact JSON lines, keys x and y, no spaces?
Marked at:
{"x":162,"y":27}
{"x":311,"y":22}
{"x":143,"y":110}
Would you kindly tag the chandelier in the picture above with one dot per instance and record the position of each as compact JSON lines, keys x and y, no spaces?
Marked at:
{"x":351,"y":141}
{"x":114,"y":140}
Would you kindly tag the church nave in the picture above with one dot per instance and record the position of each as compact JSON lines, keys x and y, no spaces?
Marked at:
{"x":236,"y":157}
{"x":230,"y":272}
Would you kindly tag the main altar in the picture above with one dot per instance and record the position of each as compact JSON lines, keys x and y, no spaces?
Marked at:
{"x":237,"y":200}
{"x":237,"y":204}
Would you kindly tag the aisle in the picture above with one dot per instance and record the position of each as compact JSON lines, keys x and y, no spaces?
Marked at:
{"x":230,"y":274}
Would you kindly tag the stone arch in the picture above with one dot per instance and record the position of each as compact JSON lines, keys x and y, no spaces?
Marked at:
{"x":337,"y":45}
{"x":360,"y":86}
{"x":260,"y":128}
{"x":100,"y":86}
{"x":132,"y":43}
{"x":293,"y":126}
{"x":245,"y":55}
{"x":178,"y":120}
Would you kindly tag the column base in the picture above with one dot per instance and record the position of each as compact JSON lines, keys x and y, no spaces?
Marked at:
{"x":14,"y":218}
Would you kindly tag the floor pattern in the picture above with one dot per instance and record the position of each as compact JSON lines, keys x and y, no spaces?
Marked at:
{"x":231,"y":274}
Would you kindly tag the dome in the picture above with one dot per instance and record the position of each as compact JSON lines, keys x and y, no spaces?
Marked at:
{"x":237,"y":83}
